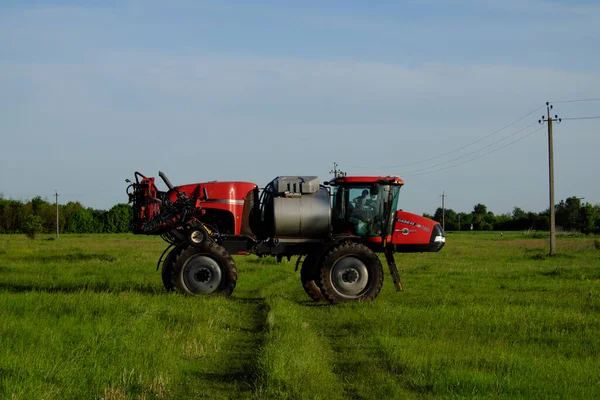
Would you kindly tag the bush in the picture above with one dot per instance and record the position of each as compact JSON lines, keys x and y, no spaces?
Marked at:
{"x":32,"y":226}
{"x":597,"y":244}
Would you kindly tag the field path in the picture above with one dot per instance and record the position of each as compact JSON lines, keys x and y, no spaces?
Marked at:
{"x":237,"y":372}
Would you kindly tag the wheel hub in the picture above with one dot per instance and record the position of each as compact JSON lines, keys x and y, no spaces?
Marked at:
{"x":349,"y":277}
{"x":202,"y":274}
{"x":197,"y":236}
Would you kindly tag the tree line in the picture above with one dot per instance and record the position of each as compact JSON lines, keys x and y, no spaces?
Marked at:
{"x":39,"y":216}
{"x":570,"y":215}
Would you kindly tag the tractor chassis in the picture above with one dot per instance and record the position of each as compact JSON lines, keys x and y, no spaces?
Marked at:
{"x":323,"y":275}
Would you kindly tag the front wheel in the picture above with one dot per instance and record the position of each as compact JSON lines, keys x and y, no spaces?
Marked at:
{"x":350,"y":272}
{"x":205,"y":270}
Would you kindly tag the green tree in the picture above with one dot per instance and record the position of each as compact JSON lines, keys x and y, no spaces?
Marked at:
{"x":3,"y":207}
{"x":83,"y":221}
{"x":520,"y":220}
{"x":99,"y":221}
{"x":118,"y":218}
{"x":449,"y":217}
{"x":479,"y":209}
{"x":587,"y":219}
{"x":68,"y":212}
{"x":14,"y":215}
{"x":482,"y":220}
{"x":503,"y":222}
{"x":567,"y":214}
{"x":32,"y":225}
{"x":518,"y":213}
{"x":46,"y":211}
{"x":463,"y":221}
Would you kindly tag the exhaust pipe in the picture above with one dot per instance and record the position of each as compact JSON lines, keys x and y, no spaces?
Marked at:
{"x":165,"y":180}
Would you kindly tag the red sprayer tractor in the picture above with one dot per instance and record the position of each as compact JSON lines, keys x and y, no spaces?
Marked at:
{"x":338,"y":227}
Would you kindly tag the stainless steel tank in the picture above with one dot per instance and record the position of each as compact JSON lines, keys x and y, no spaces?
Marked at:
{"x":302,"y":215}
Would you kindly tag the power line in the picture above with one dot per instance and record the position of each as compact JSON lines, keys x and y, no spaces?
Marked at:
{"x":475,"y":158}
{"x":458,"y":148}
{"x":577,"y":100}
{"x":596,"y":117}
{"x":471,"y":153}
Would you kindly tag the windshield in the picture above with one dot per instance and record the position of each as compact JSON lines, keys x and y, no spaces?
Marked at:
{"x":365,"y":210}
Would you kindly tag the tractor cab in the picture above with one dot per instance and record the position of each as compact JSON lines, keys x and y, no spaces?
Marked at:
{"x":365,"y":206}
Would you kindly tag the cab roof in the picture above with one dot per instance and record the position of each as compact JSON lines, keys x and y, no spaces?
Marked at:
{"x":384,"y":180}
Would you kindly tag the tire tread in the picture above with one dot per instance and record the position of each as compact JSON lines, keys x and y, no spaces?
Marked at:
{"x":223,"y":258}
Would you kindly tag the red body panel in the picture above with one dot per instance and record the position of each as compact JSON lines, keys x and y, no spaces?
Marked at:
{"x":152,"y":205}
{"x":411,"y":229}
{"x":227,"y":196}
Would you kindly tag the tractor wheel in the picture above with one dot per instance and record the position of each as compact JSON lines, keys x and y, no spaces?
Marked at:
{"x":308,"y":275}
{"x":206,"y":270}
{"x":168,"y":268}
{"x":350,"y":272}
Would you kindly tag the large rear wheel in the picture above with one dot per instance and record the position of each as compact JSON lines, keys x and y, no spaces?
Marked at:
{"x":350,"y":272}
{"x":205,"y":270}
{"x":309,"y":275}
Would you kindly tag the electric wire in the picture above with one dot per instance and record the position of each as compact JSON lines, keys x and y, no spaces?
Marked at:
{"x":428,"y":170}
{"x":473,"y":152}
{"x":481,"y":155}
{"x":433,"y":168}
{"x":456,"y":149}
{"x":576,"y":100}
{"x":572,"y":118}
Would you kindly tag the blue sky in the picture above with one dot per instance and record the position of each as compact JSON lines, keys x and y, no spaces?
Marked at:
{"x":237,"y":90}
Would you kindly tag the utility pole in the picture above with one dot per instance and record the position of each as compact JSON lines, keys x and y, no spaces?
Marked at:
{"x":337,"y":172}
{"x":443,"y":196}
{"x":549,"y":119}
{"x":56,"y":194}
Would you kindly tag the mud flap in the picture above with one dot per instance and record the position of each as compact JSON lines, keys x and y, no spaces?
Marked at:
{"x":389,"y":256}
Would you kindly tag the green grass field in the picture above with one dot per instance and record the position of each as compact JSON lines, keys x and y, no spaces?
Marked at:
{"x":86,"y":317}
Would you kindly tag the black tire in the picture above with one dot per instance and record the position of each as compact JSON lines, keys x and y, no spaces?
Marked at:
{"x":206,"y":270}
{"x":168,"y":268}
{"x":309,"y":274}
{"x":350,"y":272}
